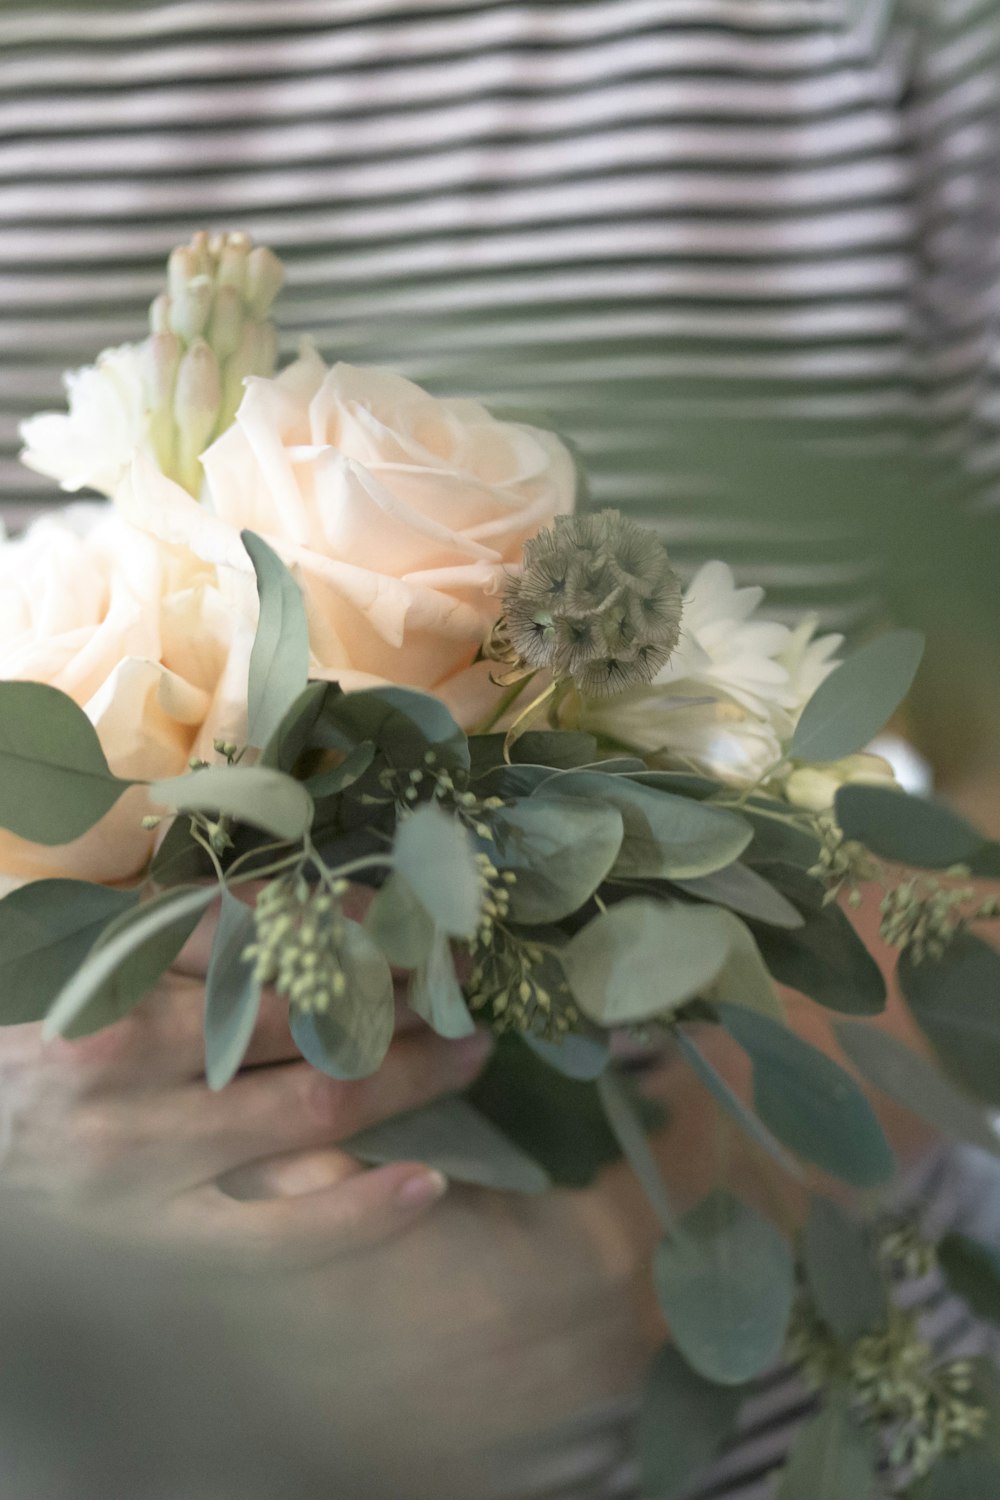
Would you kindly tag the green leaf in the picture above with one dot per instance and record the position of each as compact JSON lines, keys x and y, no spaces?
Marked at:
{"x":55,"y":782}
{"x":298,"y":727}
{"x":733,"y":1104}
{"x":908,"y":830}
{"x":559,"y":849}
{"x":405,"y":725}
{"x":843,"y":1272}
{"x":561,"y":749}
{"x":743,"y":978}
{"x":433,"y":853}
{"x":573,"y":1055}
{"x":436,"y":995}
{"x":725,"y":1282}
{"x":747,"y":892}
{"x":557,"y":1120}
{"x":776,"y":841}
{"x":643,"y":958}
{"x":180,"y":859}
{"x":232,"y":993}
{"x":852,"y":705}
{"x":128,"y":960}
{"x":279,"y":661}
{"x":456,"y":1139}
{"x":47,"y":929}
{"x":630,"y":1133}
{"x":683,"y":1422}
{"x":351,"y":1038}
{"x":955,"y":1001}
{"x":915,"y":1082}
{"x":973,"y":1270}
{"x":400,"y":925}
{"x":666,"y":837}
{"x":810,"y":1103}
{"x":825,"y":958}
{"x":351,"y":769}
{"x":831,"y":1458}
{"x":263,"y":798}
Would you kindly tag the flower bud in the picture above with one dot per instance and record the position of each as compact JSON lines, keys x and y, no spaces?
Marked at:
{"x":183,"y":265}
{"x":159,"y":314}
{"x":265,"y":277}
{"x":190,"y":306}
{"x":225,"y":324}
{"x":814,"y":788}
{"x":232,"y":262}
{"x":197,"y":400}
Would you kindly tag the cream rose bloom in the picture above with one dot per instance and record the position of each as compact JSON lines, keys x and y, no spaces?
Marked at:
{"x":136,"y":634}
{"x":398,"y":513}
{"x":91,"y":445}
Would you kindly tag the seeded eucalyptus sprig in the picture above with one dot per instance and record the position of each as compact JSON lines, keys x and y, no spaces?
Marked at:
{"x":597,"y":604}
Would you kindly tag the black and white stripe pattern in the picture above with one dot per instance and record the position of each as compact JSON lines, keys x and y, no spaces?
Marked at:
{"x":624,"y":213}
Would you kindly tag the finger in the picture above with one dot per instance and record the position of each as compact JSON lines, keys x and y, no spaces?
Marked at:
{"x":352,"y":1214}
{"x":288,"y":1176}
{"x":293,"y":1107}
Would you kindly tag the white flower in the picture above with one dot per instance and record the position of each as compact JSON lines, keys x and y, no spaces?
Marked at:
{"x":92,"y":445}
{"x":138,"y":636}
{"x":399,"y":513}
{"x":732,"y":691}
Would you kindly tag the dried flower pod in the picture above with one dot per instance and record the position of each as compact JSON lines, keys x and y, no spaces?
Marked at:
{"x":597,"y":603}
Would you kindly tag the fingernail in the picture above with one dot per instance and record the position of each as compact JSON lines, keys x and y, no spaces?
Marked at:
{"x":422,"y":1189}
{"x":472,"y":1051}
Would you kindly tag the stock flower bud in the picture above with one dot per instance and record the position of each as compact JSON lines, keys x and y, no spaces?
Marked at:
{"x":814,"y":788}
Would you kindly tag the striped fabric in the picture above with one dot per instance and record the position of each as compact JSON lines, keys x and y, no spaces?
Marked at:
{"x":624,"y":213}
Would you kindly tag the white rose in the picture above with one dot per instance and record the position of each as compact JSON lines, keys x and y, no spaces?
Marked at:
{"x":398,"y":513}
{"x":92,"y":444}
{"x":137,"y":635}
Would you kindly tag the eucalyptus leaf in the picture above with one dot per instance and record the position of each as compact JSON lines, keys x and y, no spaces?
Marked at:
{"x":296,"y":731}
{"x":351,"y":769}
{"x":574,"y":1055}
{"x":351,"y":1038}
{"x":128,"y":960}
{"x":666,"y":837}
{"x":434,"y":854}
{"x":776,"y":840}
{"x":745,"y":891}
{"x":683,"y":1422}
{"x":436,"y":995}
{"x":630,"y":1133}
{"x":456,"y":1139}
{"x":809,"y":1102}
{"x":403,"y":724}
{"x":642,"y":958}
{"x":399,"y":924}
{"x":232,"y":992}
{"x":733,"y":1104}
{"x":955,"y":1001}
{"x":843,"y":1272}
{"x":47,"y":928}
{"x":180,"y":859}
{"x":908,"y":830}
{"x":832,"y":1458}
{"x":725,"y":1282}
{"x":562,"y":749}
{"x":973,"y":1271}
{"x":559,"y":849}
{"x":824,"y":959}
{"x":279,"y":661}
{"x":849,"y":708}
{"x":257,"y":795}
{"x":55,"y":782}
{"x":743,"y":978}
{"x":914,"y":1082}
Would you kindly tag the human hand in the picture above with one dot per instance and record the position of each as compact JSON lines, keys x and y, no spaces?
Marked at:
{"x":123,"y":1122}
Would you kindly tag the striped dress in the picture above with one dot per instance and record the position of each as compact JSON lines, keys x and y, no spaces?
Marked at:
{"x":623,"y":213}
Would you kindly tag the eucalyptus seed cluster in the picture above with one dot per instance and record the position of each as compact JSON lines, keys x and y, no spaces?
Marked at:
{"x":925,"y":1412}
{"x":208,"y":331}
{"x":843,"y":864}
{"x":435,"y":783}
{"x":597,"y":603}
{"x":299,"y":936}
{"x":507,"y":981}
{"x":923,"y":916}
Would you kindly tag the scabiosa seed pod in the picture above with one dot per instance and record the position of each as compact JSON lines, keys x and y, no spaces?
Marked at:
{"x":597,"y":603}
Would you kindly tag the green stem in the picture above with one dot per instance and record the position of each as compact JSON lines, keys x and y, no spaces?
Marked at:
{"x":510,"y":697}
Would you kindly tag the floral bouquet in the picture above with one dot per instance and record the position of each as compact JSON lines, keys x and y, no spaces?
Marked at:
{"x":332,"y":632}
